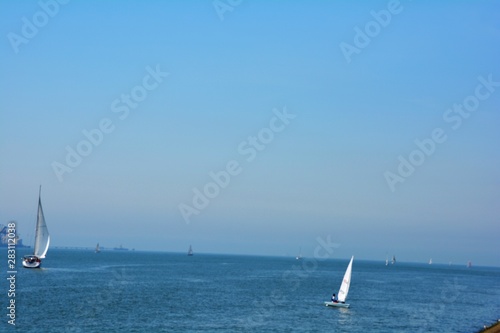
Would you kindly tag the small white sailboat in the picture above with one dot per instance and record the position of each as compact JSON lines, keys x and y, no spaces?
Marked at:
{"x":190,"y":251}
{"x":344,"y":289}
{"x":430,"y":261}
{"x":42,"y":239}
{"x":300,"y":254}
{"x":386,"y":261}
{"x":97,"y":249}
{"x":393,"y":261}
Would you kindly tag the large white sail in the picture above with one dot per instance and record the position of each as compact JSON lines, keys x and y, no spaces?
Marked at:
{"x":42,"y":238}
{"x":346,"y":282}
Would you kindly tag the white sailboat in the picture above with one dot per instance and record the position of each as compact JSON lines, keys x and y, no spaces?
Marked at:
{"x":344,"y":289}
{"x":190,"y":251}
{"x":97,"y":249}
{"x":42,"y":239}
{"x":300,"y":254}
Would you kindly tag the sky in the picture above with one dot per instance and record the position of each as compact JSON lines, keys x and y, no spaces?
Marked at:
{"x":255,"y":127}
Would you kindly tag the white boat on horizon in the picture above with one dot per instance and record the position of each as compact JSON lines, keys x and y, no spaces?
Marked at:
{"x":299,"y":255}
{"x":190,"y":251}
{"x":97,"y":249}
{"x":42,"y":239}
{"x":344,"y":289}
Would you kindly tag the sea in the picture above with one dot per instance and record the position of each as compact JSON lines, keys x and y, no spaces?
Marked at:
{"x":135,"y":291}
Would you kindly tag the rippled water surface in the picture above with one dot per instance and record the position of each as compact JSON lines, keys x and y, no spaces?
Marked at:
{"x":132,"y":291}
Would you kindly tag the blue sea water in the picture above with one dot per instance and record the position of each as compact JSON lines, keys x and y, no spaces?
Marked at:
{"x":132,"y":291}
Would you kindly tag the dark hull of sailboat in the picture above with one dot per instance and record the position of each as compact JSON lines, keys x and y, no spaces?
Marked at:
{"x":32,"y":262}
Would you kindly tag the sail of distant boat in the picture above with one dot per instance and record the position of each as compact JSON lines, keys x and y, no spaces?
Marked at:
{"x":344,"y":288}
{"x":393,"y":261}
{"x":42,"y":239}
{"x":97,"y":249}
{"x":190,"y":251}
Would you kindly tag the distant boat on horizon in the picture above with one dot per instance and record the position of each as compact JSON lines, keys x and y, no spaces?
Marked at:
{"x":97,"y":249}
{"x":393,"y":261}
{"x":42,"y":239}
{"x":190,"y":251}
{"x":299,"y":256}
{"x":430,"y":261}
{"x":121,"y":248}
{"x":469,"y":264}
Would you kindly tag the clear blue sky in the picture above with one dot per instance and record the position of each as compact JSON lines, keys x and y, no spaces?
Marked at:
{"x":323,"y":173}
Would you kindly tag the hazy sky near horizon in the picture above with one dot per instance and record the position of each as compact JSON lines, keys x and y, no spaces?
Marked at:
{"x":375,"y":123}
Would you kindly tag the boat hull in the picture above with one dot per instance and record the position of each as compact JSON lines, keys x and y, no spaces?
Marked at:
{"x":31,"y":262}
{"x":337,"y":304}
